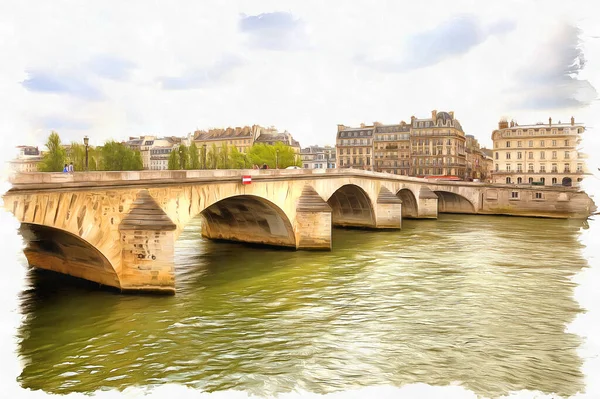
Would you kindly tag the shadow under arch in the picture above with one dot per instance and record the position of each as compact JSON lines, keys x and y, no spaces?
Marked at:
{"x":410,"y":206}
{"x":351,"y":207}
{"x":249,"y":219}
{"x":60,"y":251}
{"x":449,"y":202}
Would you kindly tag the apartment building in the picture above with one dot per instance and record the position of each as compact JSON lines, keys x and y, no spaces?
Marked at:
{"x":540,"y":154}
{"x":391,"y":147}
{"x":316,"y":157}
{"x":354,"y":147}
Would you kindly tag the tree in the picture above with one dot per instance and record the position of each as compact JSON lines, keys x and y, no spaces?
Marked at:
{"x":116,"y":156}
{"x":184,"y":157}
{"x":174,"y":163}
{"x":223,"y":157}
{"x":54,"y":160}
{"x":78,"y":156}
{"x":194,"y":157}
{"x":263,"y":153}
{"x":211,"y":158}
{"x":237,"y":159}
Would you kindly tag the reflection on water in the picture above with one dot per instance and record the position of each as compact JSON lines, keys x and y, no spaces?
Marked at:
{"x":478,"y":300}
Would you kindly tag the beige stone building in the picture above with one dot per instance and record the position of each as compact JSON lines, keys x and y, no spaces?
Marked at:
{"x":438,"y":146}
{"x":391,"y":145}
{"x":27,"y":159}
{"x":354,"y":147}
{"x":240,"y":137}
{"x":540,"y":154}
{"x":317,"y":157}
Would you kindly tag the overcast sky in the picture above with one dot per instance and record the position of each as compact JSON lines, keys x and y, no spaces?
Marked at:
{"x":112,"y":69}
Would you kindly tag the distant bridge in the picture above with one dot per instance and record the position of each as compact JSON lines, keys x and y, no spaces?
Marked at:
{"x":119,"y":228}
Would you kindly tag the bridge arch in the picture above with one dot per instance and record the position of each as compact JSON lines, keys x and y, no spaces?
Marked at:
{"x":351,"y":206}
{"x":410,"y":204}
{"x":247,"y":218}
{"x":449,"y":202}
{"x":61,"y":251}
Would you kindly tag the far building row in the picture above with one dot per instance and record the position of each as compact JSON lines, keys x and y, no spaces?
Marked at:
{"x":434,"y":147}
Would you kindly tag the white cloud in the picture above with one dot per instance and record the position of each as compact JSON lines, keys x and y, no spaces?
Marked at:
{"x":220,"y":58}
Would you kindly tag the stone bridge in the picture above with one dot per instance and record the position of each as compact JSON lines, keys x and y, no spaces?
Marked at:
{"x":119,"y":228}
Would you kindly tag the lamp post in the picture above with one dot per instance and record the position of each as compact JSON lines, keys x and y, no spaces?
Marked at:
{"x":203,"y":156}
{"x":277,"y":159}
{"x":86,"y":142}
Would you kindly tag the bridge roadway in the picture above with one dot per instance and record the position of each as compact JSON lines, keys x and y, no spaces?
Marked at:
{"x":119,"y":228}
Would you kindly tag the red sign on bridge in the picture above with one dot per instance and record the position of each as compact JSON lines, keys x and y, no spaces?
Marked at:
{"x":246,"y":179}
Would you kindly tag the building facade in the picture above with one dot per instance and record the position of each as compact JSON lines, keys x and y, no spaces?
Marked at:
{"x":391,"y":148}
{"x":159,"y":157}
{"x":354,"y":147}
{"x":438,"y":147}
{"x":540,"y":154}
{"x":27,"y":159}
{"x":316,"y":157}
{"x":241,"y":138}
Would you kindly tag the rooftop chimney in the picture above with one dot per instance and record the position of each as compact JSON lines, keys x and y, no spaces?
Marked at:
{"x":451,"y":113}
{"x":572,"y":121}
{"x":362,"y":125}
{"x":550,"y":121}
{"x":433,"y":114}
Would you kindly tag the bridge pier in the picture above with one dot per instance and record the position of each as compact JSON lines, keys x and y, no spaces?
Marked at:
{"x":147,"y":242}
{"x":428,"y":204}
{"x":313,"y":221}
{"x":388,"y":210}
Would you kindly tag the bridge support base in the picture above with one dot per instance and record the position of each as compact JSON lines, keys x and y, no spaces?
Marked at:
{"x":428,"y":204}
{"x":313,"y":230}
{"x":147,"y":262}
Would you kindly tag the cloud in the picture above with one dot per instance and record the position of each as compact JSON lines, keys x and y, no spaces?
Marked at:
{"x":111,"y":67}
{"x":57,"y":83}
{"x":551,"y":80}
{"x":202,"y":77}
{"x":278,"y":31}
{"x":449,"y":39}
{"x":62,"y":123}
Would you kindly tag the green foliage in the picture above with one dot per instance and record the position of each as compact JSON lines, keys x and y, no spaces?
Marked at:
{"x":116,"y":156}
{"x":54,"y":160}
{"x":263,"y":153}
{"x":184,"y":157}
{"x":174,"y":163}
{"x":223,"y":157}
{"x":237,"y":160}
{"x":212,"y":157}
{"x":194,"y":157}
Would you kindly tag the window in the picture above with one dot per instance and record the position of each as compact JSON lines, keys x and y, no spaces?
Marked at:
{"x":566,"y":143}
{"x":554,"y":168}
{"x":553,"y":154}
{"x":508,"y":155}
{"x":519,"y":167}
{"x":497,"y":168}
{"x":496,"y":154}
{"x":508,"y":144}
{"x":579,"y":167}
{"x":567,"y":168}
{"x":567,"y":155}
{"x":508,"y":167}
{"x":539,"y":195}
{"x":519,"y":155}
{"x":519,"y":144}
{"x":542,"y":144}
{"x":530,"y":155}
{"x":554,"y":180}
{"x":542,"y":168}
{"x":519,"y":180}
{"x":530,"y":180}
{"x":531,"y":168}
{"x":508,"y":180}
{"x":514,"y":195}
{"x":531,"y":143}
{"x":553,"y":143}
{"x":542,"y":155}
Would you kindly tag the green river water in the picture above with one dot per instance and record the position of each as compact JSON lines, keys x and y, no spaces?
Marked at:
{"x":478,"y":300}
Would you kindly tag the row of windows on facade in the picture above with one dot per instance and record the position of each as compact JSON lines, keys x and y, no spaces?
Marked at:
{"x":439,"y":172}
{"x":356,"y":142}
{"x":320,"y":166}
{"x":554,"y":168}
{"x":531,"y":143}
{"x":508,"y":155}
{"x":355,"y":162}
{"x":540,"y":132}
{"x":392,"y":137}
{"x":530,"y":180}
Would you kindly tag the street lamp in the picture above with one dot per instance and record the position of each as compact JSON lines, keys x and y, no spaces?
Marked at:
{"x":277,"y":159}
{"x":86,"y":142}
{"x":203,"y":156}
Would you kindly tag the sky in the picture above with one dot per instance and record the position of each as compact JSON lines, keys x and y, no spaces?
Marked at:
{"x":111,"y":69}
